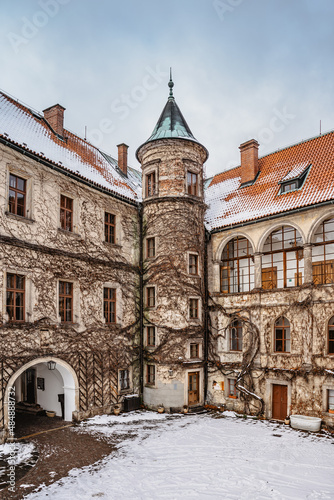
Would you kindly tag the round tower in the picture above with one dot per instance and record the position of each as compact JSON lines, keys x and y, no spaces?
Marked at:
{"x":173,"y":262}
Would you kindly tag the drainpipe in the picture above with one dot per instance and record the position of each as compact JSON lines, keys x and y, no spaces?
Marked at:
{"x":141,"y":304}
{"x":206,"y":313}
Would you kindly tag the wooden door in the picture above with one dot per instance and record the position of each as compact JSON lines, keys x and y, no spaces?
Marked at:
{"x":193,"y":388}
{"x":280,"y":402}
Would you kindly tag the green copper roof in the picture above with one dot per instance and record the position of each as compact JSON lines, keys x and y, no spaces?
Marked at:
{"x":171,"y":124}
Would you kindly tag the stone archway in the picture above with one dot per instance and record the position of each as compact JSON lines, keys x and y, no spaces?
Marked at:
{"x":63,"y":380}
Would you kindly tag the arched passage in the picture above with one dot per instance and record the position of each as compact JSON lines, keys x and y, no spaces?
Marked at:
{"x":36,"y":382}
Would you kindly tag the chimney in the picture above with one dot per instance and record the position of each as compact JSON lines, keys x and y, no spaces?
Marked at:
{"x":123,"y":157}
{"x":249,"y":160}
{"x":55,"y":118}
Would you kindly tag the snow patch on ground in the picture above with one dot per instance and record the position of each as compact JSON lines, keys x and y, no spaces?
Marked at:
{"x":201,"y":457}
{"x":21,"y":452}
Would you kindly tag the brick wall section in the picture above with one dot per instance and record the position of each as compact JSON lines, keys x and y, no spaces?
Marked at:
{"x":55,"y":117}
{"x":249,"y":160}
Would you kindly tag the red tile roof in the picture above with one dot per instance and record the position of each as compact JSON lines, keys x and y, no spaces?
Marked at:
{"x":229,"y":205}
{"x":20,"y":126}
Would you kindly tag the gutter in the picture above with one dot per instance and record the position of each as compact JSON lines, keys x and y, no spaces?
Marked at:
{"x":206,"y":313}
{"x":141,"y":304}
{"x":53,"y":166}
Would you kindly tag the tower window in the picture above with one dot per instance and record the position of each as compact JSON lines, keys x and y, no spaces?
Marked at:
{"x":150,"y":184}
{"x":192,"y":183}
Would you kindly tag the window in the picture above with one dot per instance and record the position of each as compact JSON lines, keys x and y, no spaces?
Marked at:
{"x":235,"y":335}
{"x":150,"y":247}
{"x":150,"y":341}
{"x":124,"y":382}
{"x":150,"y":184}
{"x":331,"y":400}
{"x":109,"y":305}
{"x":150,"y":296}
{"x":331,"y":336}
{"x":283,"y":259}
{"x":193,"y":264}
{"x":294,"y":180}
{"x":232,"y":390}
{"x":192,"y":183}
{"x":194,"y":351}
{"x":66,"y":301}
{"x":66,"y":213}
{"x":323,"y":253}
{"x":193,"y":309}
{"x":110,"y":228}
{"x":282,"y":335}
{"x":150,"y":375}
{"x":15,"y":297}
{"x":17,"y":195}
{"x":237,"y":267}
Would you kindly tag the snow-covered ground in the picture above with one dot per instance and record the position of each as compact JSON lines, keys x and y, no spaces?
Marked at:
{"x":201,"y":457}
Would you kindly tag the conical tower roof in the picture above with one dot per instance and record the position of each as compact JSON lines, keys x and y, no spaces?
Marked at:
{"x":171,"y":124}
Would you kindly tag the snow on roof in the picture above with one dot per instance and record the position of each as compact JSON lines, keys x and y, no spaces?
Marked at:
{"x":229,"y":204}
{"x":28,"y":129}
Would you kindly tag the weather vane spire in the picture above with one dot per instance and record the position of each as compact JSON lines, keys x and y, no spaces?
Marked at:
{"x":170,"y":84}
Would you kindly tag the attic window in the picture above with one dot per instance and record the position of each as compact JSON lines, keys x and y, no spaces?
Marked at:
{"x":294,"y":179}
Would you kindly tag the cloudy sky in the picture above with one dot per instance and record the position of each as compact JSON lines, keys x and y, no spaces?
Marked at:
{"x":242,"y":68}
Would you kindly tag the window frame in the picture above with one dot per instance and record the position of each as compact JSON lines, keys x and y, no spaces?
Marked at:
{"x":150,"y":248}
{"x":110,"y":305}
{"x":232,"y":391}
{"x":192,"y":188}
{"x":326,"y":275}
{"x":284,"y":338}
{"x":151,"y":184}
{"x":193,"y":265}
{"x":62,"y":297}
{"x":63,"y":211}
{"x":230,"y":263}
{"x":150,"y":299}
{"x":121,"y":379}
{"x":275,"y":266}
{"x":15,"y":291}
{"x":150,"y":374}
{"x":17,"y":191}
{"x":330,"y":338}
{"x":149,"y":336}
{"x":194,"y":345}
{"x":194,"y":306}
{"x":109,"y":228}
{"x":238,"y":326}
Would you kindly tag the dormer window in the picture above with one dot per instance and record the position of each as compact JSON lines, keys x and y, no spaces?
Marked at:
{"x":294,"y":179}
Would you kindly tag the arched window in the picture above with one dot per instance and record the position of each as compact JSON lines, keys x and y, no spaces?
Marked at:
{"x":323,"y":253}
{"x":283,"y":259}
{"x":282,"y":335}
{"x":237,"y":267}
{"x":331,"y":336}
{"x":235,"y":335}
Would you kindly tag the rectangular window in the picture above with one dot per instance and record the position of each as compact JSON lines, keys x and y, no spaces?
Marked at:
{"x":150,"y":374}
{"x":17,"y":195}
{"x":331,"y":400}
{"x":109,"y":305}
{"x":66,"y":301}
{"x":150,"y":296}
{"x":194,"y":351}
{"x":192,"y":183}
{"x":232,"y":390}
{"x":124,"y":382}
{"x":150,"y":184}
{"x":193,"y":308}
{"x":110,"y":228}
{"x":66,"y":213}
{"x":15,"y":297}
{"x":193,"y":264}
{"x":151,"y":336}
{"x":150,"y":247}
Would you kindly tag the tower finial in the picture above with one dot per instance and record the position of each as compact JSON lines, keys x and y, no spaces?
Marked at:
{"x":170,"y":85}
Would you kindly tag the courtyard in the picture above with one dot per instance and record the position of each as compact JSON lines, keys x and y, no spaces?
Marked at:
{"x":213,"y":455}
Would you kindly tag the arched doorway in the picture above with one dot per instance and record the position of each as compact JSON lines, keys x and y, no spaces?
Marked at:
{"x":34,"y":382}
